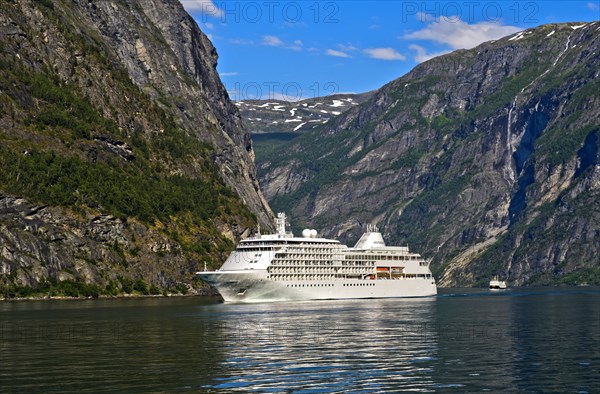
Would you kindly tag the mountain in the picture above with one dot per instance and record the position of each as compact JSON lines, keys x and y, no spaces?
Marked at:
{"x":485,"y":160}
{"x":125,"y":166}
{"x":263,"y":116}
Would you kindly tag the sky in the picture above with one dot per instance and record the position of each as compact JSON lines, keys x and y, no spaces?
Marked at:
{"x":293,"y":50}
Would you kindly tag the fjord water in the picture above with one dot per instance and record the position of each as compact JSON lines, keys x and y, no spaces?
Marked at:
{"x":537,"y":340}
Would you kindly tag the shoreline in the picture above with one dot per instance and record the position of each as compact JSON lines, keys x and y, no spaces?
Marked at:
{"x":203,"y":293}
{"x":210,"y":292}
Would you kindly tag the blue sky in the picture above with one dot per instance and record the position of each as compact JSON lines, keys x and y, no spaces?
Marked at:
{"x":300,"y":49}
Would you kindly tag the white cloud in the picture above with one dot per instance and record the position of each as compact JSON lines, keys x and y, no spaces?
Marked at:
{"x":422,"y":54}
{"x":458,"y":34}
{"x":593,"y":6}
{"x":272,"y":41}
{"x":206,"y":7}
{"x":209,"y":26}
{"x":333,"y":52}
{"x":241,"y":41}
{"x":374,"y":23}
{"x":384,"y":54}
{"x":297,"y":46}
{"x":229,"y":74}
{"x":425,"y":17}
{"x":346,"y":48}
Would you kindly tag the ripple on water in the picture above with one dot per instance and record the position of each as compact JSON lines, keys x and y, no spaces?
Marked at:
{"x":541,"y":341}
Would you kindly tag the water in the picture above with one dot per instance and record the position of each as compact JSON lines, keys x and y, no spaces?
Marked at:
{"x":526,"y":340}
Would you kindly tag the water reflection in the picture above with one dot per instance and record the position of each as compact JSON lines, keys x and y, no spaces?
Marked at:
{"x":476,"y":343}
{"x":544,"y":340}
{"x":532,"y":340}
{"x":363,"y":345}
{"x":104,"y":346}
{"x":559,"y":342}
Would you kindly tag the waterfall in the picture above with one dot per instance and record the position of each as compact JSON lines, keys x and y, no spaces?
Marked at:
{"x":509,"y":146}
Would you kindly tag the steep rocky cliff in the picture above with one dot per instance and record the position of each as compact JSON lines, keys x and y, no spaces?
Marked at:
{"x":485,"y":160}
{"x":123,"y":160}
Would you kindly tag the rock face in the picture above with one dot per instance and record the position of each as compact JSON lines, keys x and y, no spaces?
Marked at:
{"x":485,"y":160}
{"x":265,"y":116}
{"x":114,"y":120}
{"x":50,"y":243}
{"x":166,"y":54}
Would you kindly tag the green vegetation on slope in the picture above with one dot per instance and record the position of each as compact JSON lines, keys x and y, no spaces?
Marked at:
{"x":71,"y":177}
{"x":61,"y":145}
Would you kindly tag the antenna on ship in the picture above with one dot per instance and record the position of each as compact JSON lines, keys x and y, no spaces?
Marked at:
{"x":280,"y":223}
{"x":372,"y":228}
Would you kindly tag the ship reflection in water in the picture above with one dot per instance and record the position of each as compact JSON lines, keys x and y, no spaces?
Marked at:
{"x":539,"y":340}
{"x":370,"y":345}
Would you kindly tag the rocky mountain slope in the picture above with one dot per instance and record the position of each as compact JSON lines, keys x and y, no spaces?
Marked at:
{"x":263,"y":116}
{"x":485,"y":160}
{"x":124,"y":164}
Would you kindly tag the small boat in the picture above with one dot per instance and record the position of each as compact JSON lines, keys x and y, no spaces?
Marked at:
{"x":497,"y":284}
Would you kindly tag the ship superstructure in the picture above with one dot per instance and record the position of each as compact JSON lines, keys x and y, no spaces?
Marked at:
{"x":281,"y":267}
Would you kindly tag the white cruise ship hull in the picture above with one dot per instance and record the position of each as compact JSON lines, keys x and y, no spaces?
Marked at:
{"x":247,"y":286}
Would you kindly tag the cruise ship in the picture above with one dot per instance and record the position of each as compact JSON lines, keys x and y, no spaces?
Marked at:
{"x":282,"y":267}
